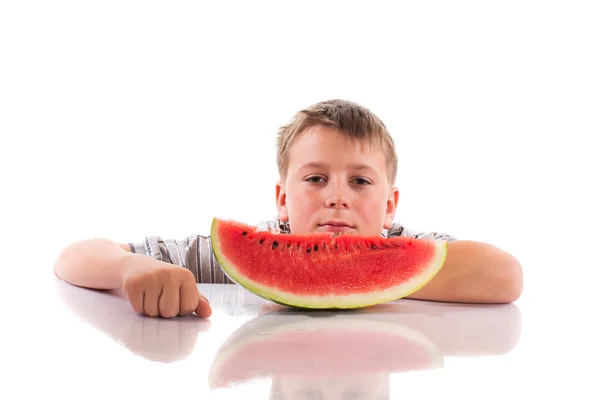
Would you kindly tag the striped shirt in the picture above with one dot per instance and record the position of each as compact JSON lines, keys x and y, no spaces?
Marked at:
{"x":195,"y":251}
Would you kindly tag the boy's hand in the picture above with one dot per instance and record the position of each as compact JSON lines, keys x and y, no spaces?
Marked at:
{"x":164,"y":290}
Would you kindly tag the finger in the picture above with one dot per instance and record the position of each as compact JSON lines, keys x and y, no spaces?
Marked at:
{"x":151,"y":295}
{"x":168,"y":302}
{"x":136,"y":298}
{"x":188,"y":297}
{"x":203,"y":310}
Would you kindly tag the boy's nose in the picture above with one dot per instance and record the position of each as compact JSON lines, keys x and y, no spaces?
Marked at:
{"x":337,"y":203}
{"x":337,"y":199}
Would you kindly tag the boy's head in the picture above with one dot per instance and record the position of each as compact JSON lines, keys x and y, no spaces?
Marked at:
{"x":337,"y":166}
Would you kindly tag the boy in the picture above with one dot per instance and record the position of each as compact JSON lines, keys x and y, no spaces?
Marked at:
{"x":337,"y":165}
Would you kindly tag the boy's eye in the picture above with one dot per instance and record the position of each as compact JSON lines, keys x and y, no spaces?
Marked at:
{"x":362,"y":181}
{"x":315,"y":179}
{"x":319,"y":179}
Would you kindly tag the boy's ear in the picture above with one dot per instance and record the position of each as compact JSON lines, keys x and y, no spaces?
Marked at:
{"x":281,"y":201}
{"x":390,"y":208}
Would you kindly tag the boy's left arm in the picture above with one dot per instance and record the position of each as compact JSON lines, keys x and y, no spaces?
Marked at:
{"x":475,"y":272}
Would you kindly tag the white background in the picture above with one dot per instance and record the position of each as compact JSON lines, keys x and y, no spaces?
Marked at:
{"x":121,"y":119}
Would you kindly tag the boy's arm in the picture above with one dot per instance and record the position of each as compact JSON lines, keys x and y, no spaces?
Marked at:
{"x":475,"y":272}
{"x":95,"y":263}
{"x":154,"y":287}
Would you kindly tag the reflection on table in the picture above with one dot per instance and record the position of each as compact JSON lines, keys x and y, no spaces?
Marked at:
{"x":307,"y":354}
{"x":350,"y":354}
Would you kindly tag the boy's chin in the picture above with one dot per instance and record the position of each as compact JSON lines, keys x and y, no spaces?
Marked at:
{"x":337,"y":231}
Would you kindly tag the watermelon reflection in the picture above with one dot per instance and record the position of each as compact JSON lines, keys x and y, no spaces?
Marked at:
{"x":321,"y":347}
{"x":352,"y":354}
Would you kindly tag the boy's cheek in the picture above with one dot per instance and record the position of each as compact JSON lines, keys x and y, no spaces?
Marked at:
{"x":301,"y":201}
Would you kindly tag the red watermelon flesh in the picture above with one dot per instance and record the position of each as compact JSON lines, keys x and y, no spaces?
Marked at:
{"x":323,"y":347}
{"x":322,"y":270}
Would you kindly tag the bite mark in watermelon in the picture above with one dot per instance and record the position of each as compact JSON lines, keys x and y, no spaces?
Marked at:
{"x":325,"y":271}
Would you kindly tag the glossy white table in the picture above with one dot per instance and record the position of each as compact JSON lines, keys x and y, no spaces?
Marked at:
{"x":82,"y":343}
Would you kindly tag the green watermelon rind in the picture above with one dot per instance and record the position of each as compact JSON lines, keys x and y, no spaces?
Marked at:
{"x":334,"y":301}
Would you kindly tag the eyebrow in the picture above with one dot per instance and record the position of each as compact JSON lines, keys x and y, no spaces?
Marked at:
{"x":353,"y":166}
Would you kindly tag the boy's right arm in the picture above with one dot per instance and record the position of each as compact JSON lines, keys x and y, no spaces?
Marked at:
{"x":154,"y":287}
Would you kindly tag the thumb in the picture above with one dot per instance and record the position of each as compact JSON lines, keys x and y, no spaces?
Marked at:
{"x":203,"y":309}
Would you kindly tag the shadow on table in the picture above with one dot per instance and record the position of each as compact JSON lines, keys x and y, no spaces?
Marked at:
{"x":350,"y":354}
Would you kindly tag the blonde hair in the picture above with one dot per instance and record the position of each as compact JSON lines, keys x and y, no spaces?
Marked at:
{"x":346,"y":117}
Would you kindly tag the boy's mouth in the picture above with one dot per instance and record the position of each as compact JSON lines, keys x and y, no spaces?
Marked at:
{"x":335,"y":226}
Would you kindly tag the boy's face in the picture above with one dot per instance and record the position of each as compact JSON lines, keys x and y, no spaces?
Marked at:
{"x":336,"y":184}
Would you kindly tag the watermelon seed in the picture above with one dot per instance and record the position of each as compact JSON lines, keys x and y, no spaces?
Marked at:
{"x":373,"y":247}
{"x":244,"y":233}
{"x":308,"y":249}
{"x":261,"y":240}
{"x":316,"y":247}
{"x":289,"y":244}
{"x":275,"y":244}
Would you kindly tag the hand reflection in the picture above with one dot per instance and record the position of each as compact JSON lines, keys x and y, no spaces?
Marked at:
{"x":350,"y":354}
{"x":156,"y":339}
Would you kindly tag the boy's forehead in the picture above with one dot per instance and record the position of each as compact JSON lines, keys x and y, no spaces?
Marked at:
{"x":323,"y":145}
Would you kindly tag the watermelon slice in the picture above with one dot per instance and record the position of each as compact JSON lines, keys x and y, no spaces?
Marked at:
{"x":329,"y":347}
{"x":322,"y":270}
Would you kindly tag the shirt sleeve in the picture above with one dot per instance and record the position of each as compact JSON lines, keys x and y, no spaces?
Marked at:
{"x":399,"y":230}
{"x":194,"y":253}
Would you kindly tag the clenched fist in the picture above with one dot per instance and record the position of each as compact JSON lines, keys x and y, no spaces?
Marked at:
{"x":164,"y":290}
